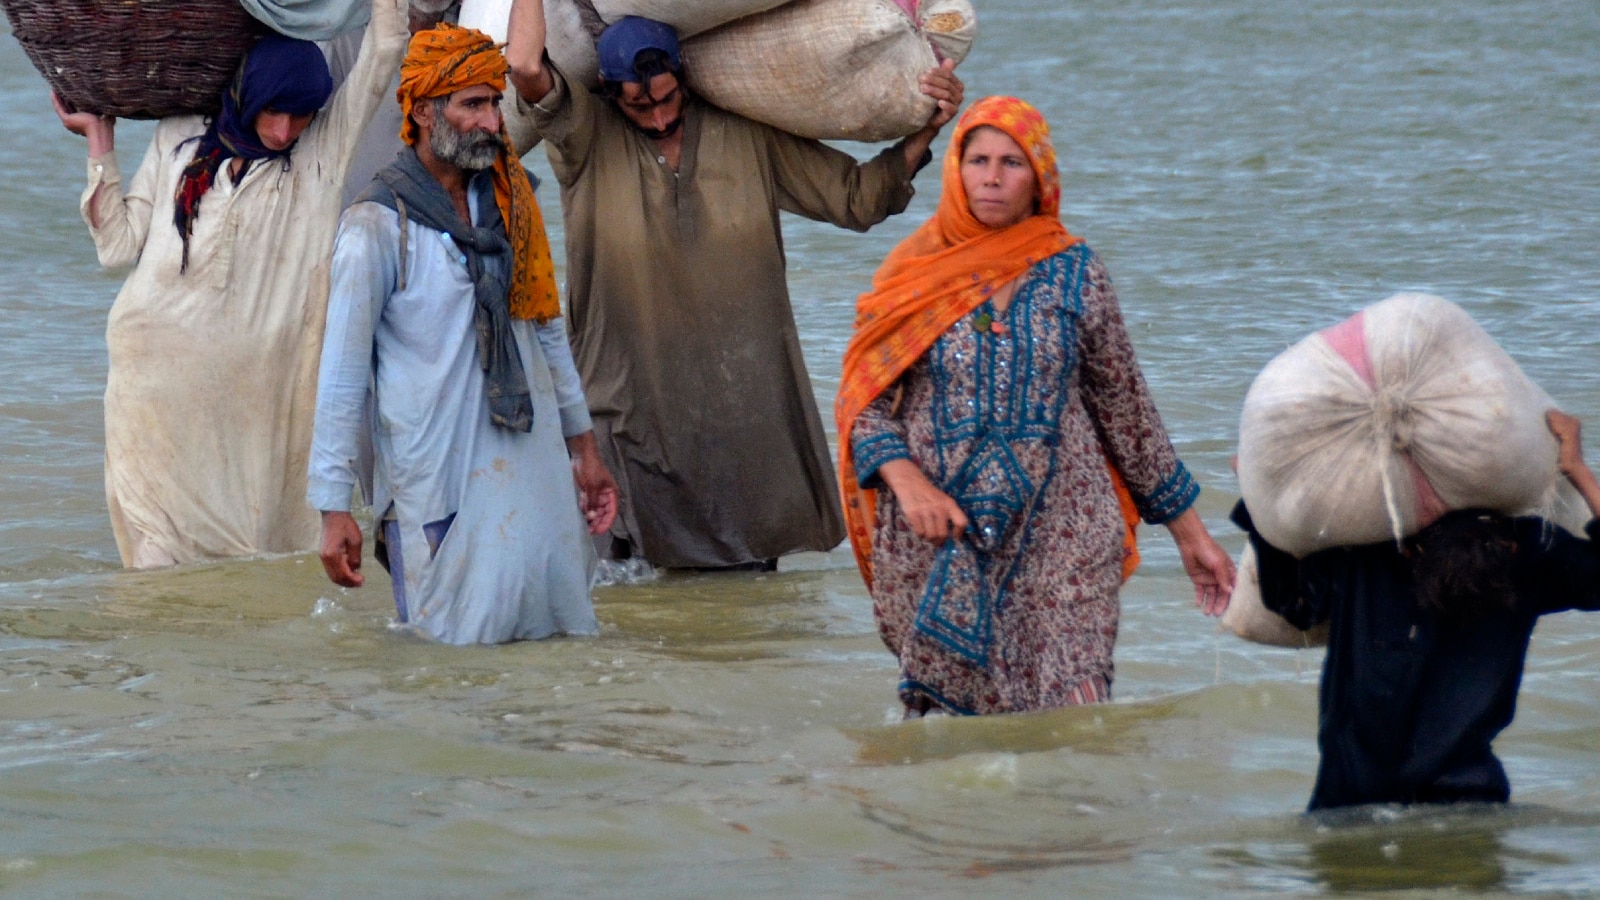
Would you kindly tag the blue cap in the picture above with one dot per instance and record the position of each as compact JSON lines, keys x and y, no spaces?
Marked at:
{"x":623,"y":40}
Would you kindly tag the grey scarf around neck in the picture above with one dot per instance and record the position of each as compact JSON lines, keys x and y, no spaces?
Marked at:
{"x":425,"y":201}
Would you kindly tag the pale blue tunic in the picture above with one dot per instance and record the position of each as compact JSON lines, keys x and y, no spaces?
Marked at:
{"x":492,"y":545}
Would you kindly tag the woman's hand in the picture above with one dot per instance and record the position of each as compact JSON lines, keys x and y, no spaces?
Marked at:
{"x":1209,"y":567}
{"x":100,"y":130}
{"x":933,"y":515}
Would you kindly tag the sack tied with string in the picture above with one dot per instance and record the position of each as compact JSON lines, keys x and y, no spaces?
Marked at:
{"x":1371,"y":429}
{"x":826,"y":69}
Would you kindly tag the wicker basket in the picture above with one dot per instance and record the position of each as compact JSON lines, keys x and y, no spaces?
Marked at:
{"x":136,"y":59}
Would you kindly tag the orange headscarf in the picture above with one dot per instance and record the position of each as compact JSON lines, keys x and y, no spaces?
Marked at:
{"x":445,"y":59}
{"x":943,"y":271}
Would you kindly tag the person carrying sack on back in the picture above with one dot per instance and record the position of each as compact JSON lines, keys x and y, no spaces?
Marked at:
{"x":680,"y":313}
{"x":1427,"y":640}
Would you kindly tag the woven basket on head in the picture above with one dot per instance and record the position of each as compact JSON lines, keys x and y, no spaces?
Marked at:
{"x":135,"y":59}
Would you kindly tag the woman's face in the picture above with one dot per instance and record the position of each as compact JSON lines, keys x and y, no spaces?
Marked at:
{"x":1001,"y":188}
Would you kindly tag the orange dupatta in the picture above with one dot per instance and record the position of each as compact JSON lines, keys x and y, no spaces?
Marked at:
{"x":942,"y":271}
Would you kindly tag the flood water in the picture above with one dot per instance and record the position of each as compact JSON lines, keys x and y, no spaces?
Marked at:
{"x":1250,"y":170}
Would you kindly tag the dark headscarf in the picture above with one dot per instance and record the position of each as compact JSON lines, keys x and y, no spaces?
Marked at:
{"x":285,"y":74}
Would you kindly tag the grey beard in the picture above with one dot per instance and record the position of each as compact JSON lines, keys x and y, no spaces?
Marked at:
{"x":471,"y":151}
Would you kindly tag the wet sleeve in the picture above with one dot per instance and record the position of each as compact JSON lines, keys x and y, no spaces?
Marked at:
{"x":878,"y":437}
{"x":819,"y":182}
{"x":1564,"y":569}
{"x":564,"y":375}
{"x":123,"y":215}
{"x":365,"y":257}
{"x":1119,"y":403}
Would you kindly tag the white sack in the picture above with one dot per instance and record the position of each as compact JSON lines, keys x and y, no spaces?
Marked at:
{"x":1344,"y":434}
{"x":832,"y":69}
{"x":1250,"y":619}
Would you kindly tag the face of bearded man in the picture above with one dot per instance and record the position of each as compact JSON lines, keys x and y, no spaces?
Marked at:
{"x":471,"y":149}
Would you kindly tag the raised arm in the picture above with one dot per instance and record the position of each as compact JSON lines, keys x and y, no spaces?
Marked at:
{"x":525,"y":50}
{"x":118,"y":220}
{"x":336,"y":133}
{"x":1569,"y":433}
{"x":1131,"y":432}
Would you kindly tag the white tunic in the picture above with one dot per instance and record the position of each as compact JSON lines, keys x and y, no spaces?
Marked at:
{"x":213,"y":371}
{"x":516,"y":561}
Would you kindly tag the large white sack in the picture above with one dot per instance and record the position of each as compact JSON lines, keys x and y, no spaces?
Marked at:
{"x":572,"y":26}
{"x":1250,"y":619}
{"x":1368,"y":430}
{"x":833,"y":69}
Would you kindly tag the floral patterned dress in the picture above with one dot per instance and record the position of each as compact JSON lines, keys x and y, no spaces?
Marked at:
{"x":1014,"y":415}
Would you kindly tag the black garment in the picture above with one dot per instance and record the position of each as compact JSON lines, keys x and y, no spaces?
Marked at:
{"x":1410,"y":702}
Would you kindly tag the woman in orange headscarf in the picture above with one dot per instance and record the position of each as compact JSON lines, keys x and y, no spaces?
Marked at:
{"x":991,"y":413}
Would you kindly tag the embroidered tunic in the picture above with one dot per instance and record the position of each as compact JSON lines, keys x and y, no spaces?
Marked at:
{"x":682,"y":327}
{"x":213,"y":371}
{"x":1013,"y":415}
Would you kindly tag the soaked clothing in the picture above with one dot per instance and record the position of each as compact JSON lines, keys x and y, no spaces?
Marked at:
{"x":485,"y":539}
{"x":213,"y":371}
{"x":1015,"y":423}
{"x":682,"y":327}
{"x":1410,"y":704}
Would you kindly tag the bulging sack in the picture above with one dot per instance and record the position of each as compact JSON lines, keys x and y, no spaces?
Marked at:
{"x":573,"y":26}
{"x":832,"y":69}
{"x":829,"y":69}
{"x":1371,"y":429}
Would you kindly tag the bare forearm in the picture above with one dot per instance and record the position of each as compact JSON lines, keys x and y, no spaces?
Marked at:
{"x":1583,"y":479}
{"x":102,"y":137}
{"x":917,"y":145}
{"x":525,"y":50}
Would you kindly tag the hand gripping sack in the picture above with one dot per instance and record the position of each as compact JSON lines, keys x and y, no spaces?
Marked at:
{"x":828,"y":69}
{"x":572,"y":26}
{"x":1371,"y":429}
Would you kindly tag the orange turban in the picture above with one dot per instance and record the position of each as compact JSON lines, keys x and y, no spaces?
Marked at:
{"x":445,"y":59}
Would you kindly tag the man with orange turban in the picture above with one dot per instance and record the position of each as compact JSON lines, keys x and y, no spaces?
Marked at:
{"x":446,"y":349}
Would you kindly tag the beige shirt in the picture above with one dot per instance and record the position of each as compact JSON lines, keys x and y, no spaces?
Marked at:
{"x":682,"y":327}
{"x":212,"y":385}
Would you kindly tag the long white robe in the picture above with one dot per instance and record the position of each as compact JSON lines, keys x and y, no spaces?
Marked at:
{"x":212,"y":381}
{"x":491,"y":544}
